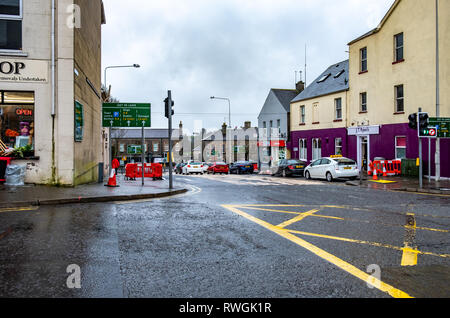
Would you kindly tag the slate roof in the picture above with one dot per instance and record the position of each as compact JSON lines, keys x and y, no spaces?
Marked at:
{"x":285,"y":96}
{"x":152,"y":133}
{"x":331,"y":84}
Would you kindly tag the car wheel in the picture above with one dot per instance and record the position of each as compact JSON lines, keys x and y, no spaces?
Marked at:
{"x":329,"y":177}
{"x":307,"y":175}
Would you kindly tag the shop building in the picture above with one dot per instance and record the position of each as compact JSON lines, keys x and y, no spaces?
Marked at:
{"x":392,"y":74}
{"x":274,"y":123}
{"x":50,"y":80}
{"x":319,"y":116}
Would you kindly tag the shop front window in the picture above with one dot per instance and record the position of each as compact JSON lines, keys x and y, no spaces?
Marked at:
{"x":400,"y":147}
{"x":17,"y":119}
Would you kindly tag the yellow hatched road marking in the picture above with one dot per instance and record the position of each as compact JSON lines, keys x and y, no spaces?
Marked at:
{"x":330,"y":237}
{"x":337,"y":218}
{"x":297,"y":219}
{"x":394,"y":292}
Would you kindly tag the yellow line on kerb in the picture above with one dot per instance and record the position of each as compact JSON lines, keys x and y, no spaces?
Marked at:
{"x":28,"y":208}
{"x":394,"y":292}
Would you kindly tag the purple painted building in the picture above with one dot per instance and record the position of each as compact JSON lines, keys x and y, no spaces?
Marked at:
{"x":320,"y":127}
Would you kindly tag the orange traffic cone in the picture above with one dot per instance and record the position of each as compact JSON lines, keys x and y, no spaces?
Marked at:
{"x":112,"y":183}
{"x":370,"y":171}
{"x":384,"y":170}
{"x":375,"y":175}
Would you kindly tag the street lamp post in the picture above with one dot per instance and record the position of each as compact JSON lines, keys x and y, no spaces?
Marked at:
{"x":119,"y":66}
{"x":229,"y":108}
{"x":110,"y":129}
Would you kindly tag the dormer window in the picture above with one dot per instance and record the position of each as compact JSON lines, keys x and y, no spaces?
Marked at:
{"x":339,"y":74}
{"x":324,"y":78}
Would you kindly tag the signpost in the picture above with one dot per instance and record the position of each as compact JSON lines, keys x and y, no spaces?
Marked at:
{"x":442,"y":125}
{"x":127,"y":115}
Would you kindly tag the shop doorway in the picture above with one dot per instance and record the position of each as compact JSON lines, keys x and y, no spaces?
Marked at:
{"x":363,"y":152}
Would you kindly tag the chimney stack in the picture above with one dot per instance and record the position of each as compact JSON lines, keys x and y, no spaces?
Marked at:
{"x":224,"y":129}
{"x":300,"y":87}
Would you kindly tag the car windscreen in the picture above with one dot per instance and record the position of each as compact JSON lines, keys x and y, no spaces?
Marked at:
{"x":345,"y":162}
{"x":196,"y":163}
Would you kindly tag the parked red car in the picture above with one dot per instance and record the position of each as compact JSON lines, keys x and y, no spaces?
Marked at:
{"x":218,"y":167}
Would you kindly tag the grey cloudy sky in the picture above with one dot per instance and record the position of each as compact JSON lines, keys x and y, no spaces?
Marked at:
{"x":228,"y":48}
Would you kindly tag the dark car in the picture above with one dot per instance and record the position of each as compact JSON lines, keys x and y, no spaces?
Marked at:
{"x":241,"y":167}
{"x":179,"y":168}
{"x":291,"y":167}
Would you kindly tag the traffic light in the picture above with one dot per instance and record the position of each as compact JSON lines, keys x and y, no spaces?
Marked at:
{"x":413,"y":121}
{"x":423,"y":121}
{"x":166,"y":102}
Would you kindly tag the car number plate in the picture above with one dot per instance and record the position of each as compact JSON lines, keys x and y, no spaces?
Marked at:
{"x":348,"y":168}
{"x":247,"y":166}
{"x":195,"y":167}
{"x":300,"y":167}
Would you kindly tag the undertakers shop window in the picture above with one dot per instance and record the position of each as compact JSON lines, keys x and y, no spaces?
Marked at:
{"x":17,"y":119}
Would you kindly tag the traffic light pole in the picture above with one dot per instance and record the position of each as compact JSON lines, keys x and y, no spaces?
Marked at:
{"x":143,"y":153}
{"x":420,"y":151}
{"x":169,"y":93}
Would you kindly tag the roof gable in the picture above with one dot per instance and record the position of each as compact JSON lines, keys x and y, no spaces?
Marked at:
{"x":285,"y":96}
{"x":378,"y":28}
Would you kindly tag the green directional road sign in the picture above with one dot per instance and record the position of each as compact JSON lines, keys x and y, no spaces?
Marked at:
{"x":442,"y":125}
{"x":126,"y":115}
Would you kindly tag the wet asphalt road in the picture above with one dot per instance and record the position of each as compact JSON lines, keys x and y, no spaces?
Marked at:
{"x":204,"y":244}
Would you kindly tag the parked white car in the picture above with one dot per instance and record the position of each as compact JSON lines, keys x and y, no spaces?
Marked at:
{"x":332,"y":168}
{"x":193,"y":167}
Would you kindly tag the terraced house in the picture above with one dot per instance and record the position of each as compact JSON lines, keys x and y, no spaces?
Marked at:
{"x":318,"y":116}
{"x":391,"y":73}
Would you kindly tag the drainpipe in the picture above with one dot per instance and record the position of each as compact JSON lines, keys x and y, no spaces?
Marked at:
{"x":438,"y":141}
{"x":53,"y":88}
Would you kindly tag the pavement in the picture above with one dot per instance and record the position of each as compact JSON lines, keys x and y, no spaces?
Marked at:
{"x":408,"y":184}
{"x":45,"y":195}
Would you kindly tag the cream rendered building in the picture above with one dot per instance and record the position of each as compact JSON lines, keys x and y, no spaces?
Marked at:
{"x":51,"y":99}
{"x":319,"y":116}
{"x":393,"y":73}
